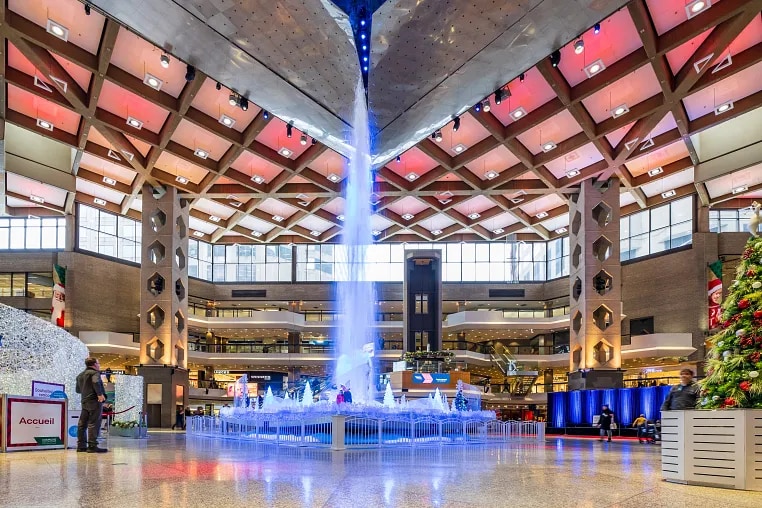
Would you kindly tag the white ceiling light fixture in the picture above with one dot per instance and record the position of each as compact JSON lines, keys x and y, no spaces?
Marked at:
{"x":491,"y":174}
{"x":315,"y":233}
{"x":201,"y":153}
{"x":548,"y":146}
{"x":474,"y":215}
{"x":436,"y":232}
{"x":655,"y":171}
{"x":58,"y":30}
{"x":234,"y":202}
{"x":99,"y":201}
{"x":108,"y":180}
{"x":740,"y":189}
{"x":696,"y":7}
{"x":620,"y":110}
{"x":572,"y":173}
{"x":579,"y":46}
{"x":164,"y":60}
{"x":561,"y":231}
{"x":375,"y":198}
{"x":214,"y":218}
{"x":541,"y":215}
{"x":340,"y":217}
{"x":412,"y":176}
{"x":227,"y":121}
{"x":37,"y":199}
{"x":153,"y":81}
{"x":41,"y":84}
{"x":333,"y":177}
{"x":459,"y":148}
{"x":134,"y":123}
{"x":256,"y":234}
{"x":198,"y":234}
{"x":258,"y":179}
{"x":518,"y":113}
{"x":285,"y":152}
{"x":594,"y":68}
{"x":181,"y":179}
{"x":723,"y":108}
{"x":498,"y":231}
{"x":408,"y":216}
{"x":44,"y":124}
{"x":668,"y":194}
{"x":278,"y":218}
{"x":376,"y":232}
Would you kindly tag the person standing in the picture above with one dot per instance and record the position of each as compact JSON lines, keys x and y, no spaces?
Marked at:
{"x":90,"y":387}
{"x":179,"y":418}
{"x":640,"y":424}
{"x":684,"y":395}
{"x":347,"y":396}
{"x":605,"y":421}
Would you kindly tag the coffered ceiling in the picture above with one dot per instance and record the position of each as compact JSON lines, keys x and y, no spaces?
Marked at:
{"x":506,"y":171}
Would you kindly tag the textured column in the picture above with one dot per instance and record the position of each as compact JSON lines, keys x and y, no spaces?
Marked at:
{"x":164,"y":279}
{"x":595,"y":277}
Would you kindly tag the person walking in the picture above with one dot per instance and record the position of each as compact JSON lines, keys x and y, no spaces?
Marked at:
{"x":179,"y":418}
{"x":640,"y":424}
{"x":605,"y":420}
{"x":90,"y":387}
{"x":684,"y":395}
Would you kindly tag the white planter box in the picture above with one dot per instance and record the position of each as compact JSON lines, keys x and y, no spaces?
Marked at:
{"x":721,"y":448}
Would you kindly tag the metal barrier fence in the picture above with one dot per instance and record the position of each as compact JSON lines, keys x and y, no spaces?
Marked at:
{"x":340,"y":432}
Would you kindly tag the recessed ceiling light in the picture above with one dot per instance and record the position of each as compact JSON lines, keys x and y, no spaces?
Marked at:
{"x":594,"y":68}
{"x":214,"y":218}
{"x":498,"y":231}
{"x":561,"y":231}
{"x":44,"y":124}
{"x":668,"y":194}
{"x":491,"y":174}
{"x":436,"y":232}
{"x":181,"y":179}
{"x":99,"y":201}
{"x":315,"y":233}
{"x":541,"y":215}
{"x":572,"y":173}
{"x":412,"y":176}
{"x":548,"y":146}
{"x":333,"y":177}
{"x":340,"y":217}
{"x":460,"y":147}
{"x":518,"y":113}
{"x":740,"y":189}
{"x":198,"y":233}
{"x":58,"y":30}
{"x":723,"y":108}
{"x":285,"y":152}
{"x":408,"y":216}
{"x":655,"y":171}
{"x":278,"y":218}
{"x":109,"y":180}
{"x":201,"y":153}
{"x":152,"y":81}
{"x":696,"y":7}
{"x":234,"y":203}
{"x":134,"y":123}
{"x":375,"y":198}
{"x":620,"y":110}
{"x":258,"y":179}
{"x":474,"y":216}
{"x":376,"y":232}
{"x":36,"y":199}
{"x":227,"y":121}
{"x":256,"y":234}
{"x":445,"y":201}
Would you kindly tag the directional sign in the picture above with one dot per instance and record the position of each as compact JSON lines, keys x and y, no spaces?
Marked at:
{"x":433,"y":378}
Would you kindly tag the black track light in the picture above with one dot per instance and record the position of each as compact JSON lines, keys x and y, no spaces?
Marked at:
{"x":87,"y":8}
{"x":218,"y":86}
{"x":555,"y":58}
{"x":522,"y":77}
{"x":456,"y":124}
{"x":233,"y":99}
{"x":314,"y":141}
{"x":244,"y":103}
{"x":266,"y":115}
{"x":597,"y":28}
{"x":303,"y":140}
{"x":289,"y":130}
{"x":438,"y":136}
{"x":190,"y":73}
{"x":399,"y":158}
{"x":498,"y":96}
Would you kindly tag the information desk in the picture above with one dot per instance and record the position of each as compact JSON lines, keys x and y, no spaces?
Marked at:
{"x":32,"y":423}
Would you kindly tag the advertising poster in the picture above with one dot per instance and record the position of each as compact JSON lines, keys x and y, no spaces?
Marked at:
{"x":59,"y":296}
{"x":714,"y":293}
{"x":47,"y":390}
{"x":34,"y":423}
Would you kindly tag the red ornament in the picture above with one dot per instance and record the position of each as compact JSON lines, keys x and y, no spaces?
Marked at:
{"x":747,"y":253}
{"x":750,"y":273}
{"x":745,"y":386}
{"x":746,"y":342}
{"x":755,"y":356}
{"x":729,"y":402}
{"x":743,"y":304}
{"x":758,"y":339}
{"x":758,"y":314}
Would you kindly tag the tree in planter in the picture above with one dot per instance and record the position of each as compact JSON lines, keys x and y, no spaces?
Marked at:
{"x":734,"y":360}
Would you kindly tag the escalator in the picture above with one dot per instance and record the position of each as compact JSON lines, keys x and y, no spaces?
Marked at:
{"x":518,"y":383}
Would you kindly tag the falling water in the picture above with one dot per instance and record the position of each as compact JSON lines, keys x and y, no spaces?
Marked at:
{"x":354,"y":366}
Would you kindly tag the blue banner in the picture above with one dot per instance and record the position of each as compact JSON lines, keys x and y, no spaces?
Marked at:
{"x":577,"y":408}
{"x":433,"y":378}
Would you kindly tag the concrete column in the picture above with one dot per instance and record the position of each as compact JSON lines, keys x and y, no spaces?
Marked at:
{"x":702,"y":218}
{"x":461,"y":344}
{"x":71,"y":233}
{"x":294,"y":342}
{"x":163,"y":300}
{"x":3,"y":210}
{"x":595,"y":279}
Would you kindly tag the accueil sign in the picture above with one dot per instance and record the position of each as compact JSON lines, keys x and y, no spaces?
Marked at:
{"x":34,"y":423}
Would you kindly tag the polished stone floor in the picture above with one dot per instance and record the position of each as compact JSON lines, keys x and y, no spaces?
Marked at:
{"x":168,"y":470}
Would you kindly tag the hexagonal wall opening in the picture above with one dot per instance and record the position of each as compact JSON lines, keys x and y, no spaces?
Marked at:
{"x":180,"y":290}
{"x":577,"y":288}
{"x":157,"y":220}
{"x":156,"y":252}
{"x":603,"y":317}
{"x":577,"y":322}
{"x":576,"y":256}
{"x":577,"y":356}
{"x":155,"y":284}
{"x":602,"y":214}
{"x":154,"y":349}
{"x":602,"y":249}
{"x":576,"y":223}
{"x":602,"y":282}
{"x":155,"y":317}
{"x":179,"y":355}
{"x":603,"y":352}
{"x":179,"y":321}
{"x":180,"y":227}
{"x":180,"y":258}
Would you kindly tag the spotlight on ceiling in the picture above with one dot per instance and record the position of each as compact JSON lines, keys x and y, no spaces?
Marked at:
{"x":579,"y":46}
{"x":668,"y":194}
{"x":340,"y":217}
{"x":134,"y":123}
{"x":399,"y":158}
{"x":723,"y":108}
{"x":498,"y":96}
{"x":266,"y":115}
{"x":561,"y":231}
{"x":198,"y":234}
{"x":522,"y":77}
{"x":289,"y":130}
{"x":258,"y":179}
{"x":620,"y":110}
{"x":314,"y":141}
{"x":478,"y":107}
{"x":541,"y":215}
{"x":740,"y":189}
{"x":456,"y":124}
{"x":376,"y":232}
{"x":244,"y":103}
{"x":99,"y":201}
{"x":214,"y":218}
{"x":108,"y":180}
{"x":164,"y":60}
{"x":37,"y":199}
{"x":555,"y":58}
{"x":486,"y":105}
{"x":278,"y":218}
{"x":233,"y":99}
{"x":597,"y":28}
{"x":58,"y":30}
{"x":436,"y":232}
{"x":218,"y":86}
{"x":594,"y":68}
{"x":226,"y":121}
{"x":256,"y":234}
{"x":696,"y":7}
{"x":285,"y":152}
{"x":315,"y":233}
{"x":498,"y":231}
{"x":412,"y":176}
{"x":438,"y":136}
{"x":87,"y":9}
{"x":44,"y":124}
{"x":181,"y":180}
{"x":303,"y":140}
{"x":190,"y":73}
{"x":655,"y":171}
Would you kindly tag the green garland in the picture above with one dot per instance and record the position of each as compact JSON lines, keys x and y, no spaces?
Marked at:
{"x":412,"y":356}
{"x":125,"y":425}
{"x":734,"y":361}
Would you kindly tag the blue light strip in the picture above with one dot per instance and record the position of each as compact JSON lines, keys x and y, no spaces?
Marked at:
{"x":577,"y":408}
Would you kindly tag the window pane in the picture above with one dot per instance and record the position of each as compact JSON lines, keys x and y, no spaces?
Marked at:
{"x":639,"y":246}
{"x":659,"y":240}
{"x":49,"y":237}
{"x":231,"y":254}
{"x":540,"y":249}
{"x":682,"y":234}
{"x":682,"y":210}
{"x":659,"y":217}
{"x":468,"y":252}
{"x":639,"y":223}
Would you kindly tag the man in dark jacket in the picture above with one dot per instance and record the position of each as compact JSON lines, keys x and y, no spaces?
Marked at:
{"x":684,"y":395}
{"x":604,"y":422}
{"x":90,"y":387}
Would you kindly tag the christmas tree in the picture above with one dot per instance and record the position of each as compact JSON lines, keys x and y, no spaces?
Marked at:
{"x":460,"y":400}
{"x":735,"y":358}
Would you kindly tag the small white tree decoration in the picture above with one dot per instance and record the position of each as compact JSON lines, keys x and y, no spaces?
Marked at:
{"x":754,"y":220}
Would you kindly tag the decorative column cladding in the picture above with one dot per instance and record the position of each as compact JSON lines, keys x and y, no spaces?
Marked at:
{"x":595,"y":276}
{"x":164,"y":276}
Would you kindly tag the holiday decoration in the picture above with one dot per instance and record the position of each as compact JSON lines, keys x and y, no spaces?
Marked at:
{"x":460,"y":400}
{"x":735,"y":357}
